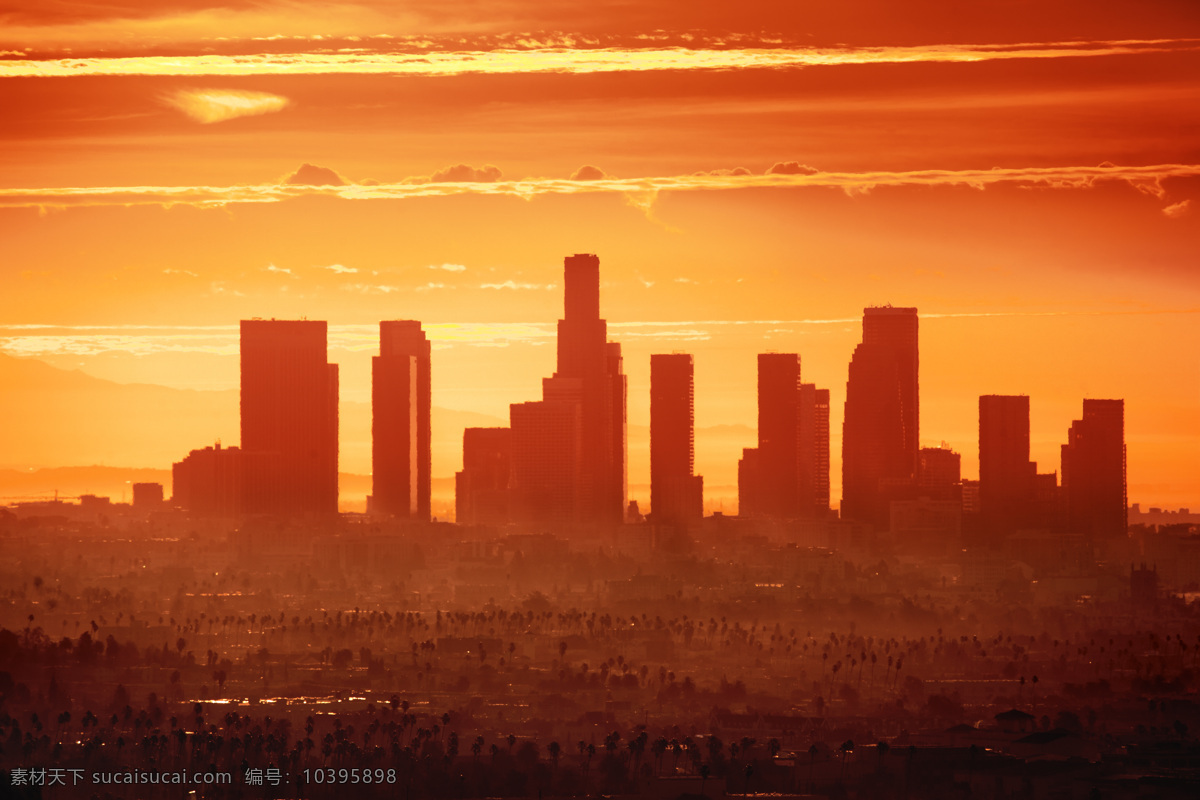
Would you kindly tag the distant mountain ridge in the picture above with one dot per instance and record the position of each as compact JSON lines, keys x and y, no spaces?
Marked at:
{"x":55,"y":417}
{"x":52,"y":418}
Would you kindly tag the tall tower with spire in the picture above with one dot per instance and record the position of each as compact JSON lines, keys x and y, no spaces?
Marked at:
{"x":568,"y":462}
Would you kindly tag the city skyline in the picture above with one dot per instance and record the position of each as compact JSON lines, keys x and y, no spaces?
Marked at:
{"x":562,"y":461}
{"x":724,"y":496}
{"x":633,"y":398}
{"x":752,"y":177}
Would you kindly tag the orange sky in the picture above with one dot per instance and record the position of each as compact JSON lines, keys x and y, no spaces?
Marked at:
{"x":1025,"y":176}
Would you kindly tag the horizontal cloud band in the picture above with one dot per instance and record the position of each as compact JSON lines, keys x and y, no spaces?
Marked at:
{"x":1145,"y":178}
{"x":45,"y":340}
{"x":567,"y":60}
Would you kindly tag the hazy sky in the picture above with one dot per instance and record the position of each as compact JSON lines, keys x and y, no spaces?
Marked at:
{"x":751,"y":175}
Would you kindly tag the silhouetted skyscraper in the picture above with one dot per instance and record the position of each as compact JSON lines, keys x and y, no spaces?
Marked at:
{"x":1093,"y":471}
{"x":813,"y":451}
{"x":880,"y":432}
{"x":1006,"y":475}
{"x":147,"y":495}
{"x":787,"y":475}
{"x":779,"y":432}
{"x":209,"y":482}
{"x":481,"y":489}
{"x":547,"y":480}
{"x":581,"y":418}
{"x":750,"y":487}
{"x":940,"y":470}
{"x":289,"y":402}
{"x":676,"y":495}
{"x":400,"y":421}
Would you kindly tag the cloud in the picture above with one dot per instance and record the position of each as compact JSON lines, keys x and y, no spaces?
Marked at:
{"x":279,"y":270}
{"x":571,"y":60}
{"x":340,"y":270}
{"x":207,"y":106}
{"x":448,"y":267}
{"x":510,"y":284}
{"x":639,"y":192}
{"x":643,"y":199}
{"x":370,"y":288}
{"x":725,"y":172}
{"x":44,"y":339}
{"x":465,"y":173}
{"x":1177,"y":210}
{"x":791,"y":168}
{"x":588,"y":173}
{"x":312,"y":175}
{"x":430,"y":286}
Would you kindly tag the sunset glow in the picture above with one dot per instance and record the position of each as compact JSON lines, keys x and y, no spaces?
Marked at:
{"x":563,"y":60}
{"x":627,"y":398}
{"x":750,"y":180}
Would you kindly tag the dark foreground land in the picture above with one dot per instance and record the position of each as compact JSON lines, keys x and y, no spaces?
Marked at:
{"x":163,"y":659}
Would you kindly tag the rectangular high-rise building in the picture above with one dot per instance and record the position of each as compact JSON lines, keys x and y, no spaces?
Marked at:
{"x":401,"y":453}
{"x":547,"y":479}
{"x":813,"y":450}
{"x":787,"y":475}
{"x":881,"y":427}
{"x":1006,"y":475}
{"x":147,"y":495}
{"x":481,"y":489}
{"x":289,"y":413}
{"x":750,"y":487}
{"x":676,"y":495}
{"x":1093,"y":471}
{"x":940,"y":470}
{"x":209,"y":482}
{"x":779,"y":434}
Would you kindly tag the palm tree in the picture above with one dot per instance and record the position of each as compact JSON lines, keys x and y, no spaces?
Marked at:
{"x":658,"y":749}
{"x":715,"y":748}
{"x":637,"y":747}
{"x":846,"y":748}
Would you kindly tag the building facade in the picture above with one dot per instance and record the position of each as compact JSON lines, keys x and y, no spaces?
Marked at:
{"x":209,"y":482}
{"x":676,"y":494}
{"x":1093,"y":471}
{"x":1006,"y":475}
{"x":401,"y":452}
{"x":567,"y":462}
{"x":289,"y":418}
{"x":481,"y":489}
{"x":881,"y":427}
{"x":787,"y":475}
